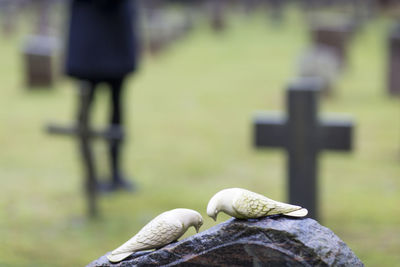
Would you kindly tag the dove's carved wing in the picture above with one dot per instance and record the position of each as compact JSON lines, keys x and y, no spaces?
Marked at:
{"x":252,"y":205}
{"x":157,"y":233}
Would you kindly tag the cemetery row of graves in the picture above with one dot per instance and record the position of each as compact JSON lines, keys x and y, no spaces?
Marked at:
{"x":194,"y":129}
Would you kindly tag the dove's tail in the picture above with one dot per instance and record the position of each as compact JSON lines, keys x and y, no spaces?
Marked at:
{"x":297,"y":213}
{"x":118,"y":257}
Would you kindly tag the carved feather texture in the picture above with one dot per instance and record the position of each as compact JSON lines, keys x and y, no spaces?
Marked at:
{"x":162,"y":230}
{"x":252,"y":205}
{"x":244,"y":204}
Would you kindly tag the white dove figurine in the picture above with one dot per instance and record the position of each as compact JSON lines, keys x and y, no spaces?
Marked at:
{"x":162,"y":230}
{"x":244,"y":204}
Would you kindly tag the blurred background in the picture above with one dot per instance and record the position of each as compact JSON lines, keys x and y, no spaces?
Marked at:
{"x":206,"y":67}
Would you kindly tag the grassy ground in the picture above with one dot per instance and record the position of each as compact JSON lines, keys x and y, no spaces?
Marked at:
{"x":189,"y":122}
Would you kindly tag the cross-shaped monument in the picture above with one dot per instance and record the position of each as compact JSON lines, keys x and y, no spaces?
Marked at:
{"x":84,"y":134}
{"x":303,"y":135}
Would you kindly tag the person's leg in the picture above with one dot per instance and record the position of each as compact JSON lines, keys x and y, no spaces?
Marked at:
{"x":86,"y":95}
{"x":116,"y":123}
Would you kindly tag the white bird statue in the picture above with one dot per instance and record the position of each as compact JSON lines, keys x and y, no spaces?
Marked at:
{"x":244,"y":204}
{"x":162,"y":230}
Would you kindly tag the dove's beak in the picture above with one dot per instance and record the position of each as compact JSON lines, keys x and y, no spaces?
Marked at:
{"x":212,"y":213}
{"x":214,"y":218}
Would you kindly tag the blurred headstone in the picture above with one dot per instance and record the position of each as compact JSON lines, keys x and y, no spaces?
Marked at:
{"x":303,"y":135}
{"x":39,"y":50}
{"x":217,"y":14}
{"x":387,"y":4}
{"x":163,"y":26}
{"x":320,"y":61}
{"x":39,"y":66}
{"x":333,"y":32}
{"x":153,"y":27}
{"x":156,"y":33}
{"x":394,"y":62}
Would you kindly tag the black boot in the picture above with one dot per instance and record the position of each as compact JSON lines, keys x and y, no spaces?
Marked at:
{"x":118,"y":180}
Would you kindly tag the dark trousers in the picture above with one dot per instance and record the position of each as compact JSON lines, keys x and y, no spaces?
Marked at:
{"x":116,"y":119}
{"x":115,"y":86}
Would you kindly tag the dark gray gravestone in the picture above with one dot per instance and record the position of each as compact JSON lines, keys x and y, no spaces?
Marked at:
{"x":163,"y":27}
{"x":217,"y":14}
{"x":270,"y":241}
{"x":39,"y":49}
{"x":85,"y":134}
{"x":335,"y":34}
{"x":38,"y":52}
{"x":153,"y":25}
{"x":322,"y":62}
{"x":303,"y":135}
{"x":394,"y":62}
{"x":387,"y":4}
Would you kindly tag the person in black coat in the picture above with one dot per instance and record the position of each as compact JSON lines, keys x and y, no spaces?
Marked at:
{"x":102,"y":48}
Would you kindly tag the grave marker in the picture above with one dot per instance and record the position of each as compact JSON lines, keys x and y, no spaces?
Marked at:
{"x":38,"y":53}
{"x":217,"y":15}
{"x":303,"y":135}
{"x":39,"y":49}
{"x":85,"y":134}
{"x":320,"y":61}
{"x":163,"y":26}
{"x":334,"y":33}
{"x":387,"y":4}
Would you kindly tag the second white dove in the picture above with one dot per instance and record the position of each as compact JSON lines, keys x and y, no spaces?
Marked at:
{"x":244,"y":204}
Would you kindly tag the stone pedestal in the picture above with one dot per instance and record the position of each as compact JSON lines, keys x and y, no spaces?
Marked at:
{"x":272,"y":241}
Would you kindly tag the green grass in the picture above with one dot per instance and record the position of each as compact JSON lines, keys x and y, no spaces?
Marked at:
{"x":189,"y":126}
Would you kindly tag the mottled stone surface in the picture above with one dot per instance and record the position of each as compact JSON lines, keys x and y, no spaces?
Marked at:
{"x":271,"y":241}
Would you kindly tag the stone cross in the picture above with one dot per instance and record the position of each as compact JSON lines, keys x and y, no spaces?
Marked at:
{"x":303,"y":135}
{"x":394,"y":62}
{"x":84,"y":134}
